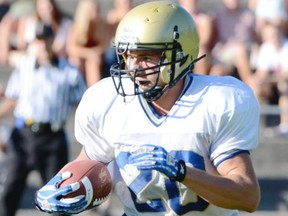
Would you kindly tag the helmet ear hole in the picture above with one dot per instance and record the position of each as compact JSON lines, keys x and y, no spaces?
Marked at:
{"x":183,"y":61}
{"x":180,"y":55}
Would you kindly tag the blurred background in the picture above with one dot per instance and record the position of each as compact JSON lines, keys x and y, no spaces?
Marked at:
{"x":242,"y":38}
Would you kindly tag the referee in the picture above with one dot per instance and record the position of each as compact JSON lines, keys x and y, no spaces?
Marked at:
{"x":42,"y":91}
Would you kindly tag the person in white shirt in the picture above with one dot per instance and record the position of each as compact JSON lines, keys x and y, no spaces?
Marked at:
{"x":271,"y":76}
{"x":42,"y":91}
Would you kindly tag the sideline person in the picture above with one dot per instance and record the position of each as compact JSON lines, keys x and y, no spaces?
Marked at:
{"x":42,"y":91}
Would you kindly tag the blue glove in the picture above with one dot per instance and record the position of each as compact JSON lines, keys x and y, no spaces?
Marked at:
{"x":151,"y":157}
{"x":50,"y":197}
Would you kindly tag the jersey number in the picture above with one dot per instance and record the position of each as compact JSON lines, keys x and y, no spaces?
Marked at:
{"x":156,"y":205}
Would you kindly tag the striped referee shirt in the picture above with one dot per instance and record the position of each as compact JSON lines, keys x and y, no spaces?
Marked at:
{"x":46,"y":93}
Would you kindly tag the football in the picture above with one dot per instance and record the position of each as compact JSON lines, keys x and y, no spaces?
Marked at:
{"x":95,"y":181}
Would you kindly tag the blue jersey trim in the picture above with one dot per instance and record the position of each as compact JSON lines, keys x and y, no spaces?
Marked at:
{"x":149,"y":110}
{"x":232,"y":155}
{"x":188,"y":84}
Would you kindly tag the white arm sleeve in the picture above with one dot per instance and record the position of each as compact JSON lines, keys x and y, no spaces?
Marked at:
{"x":237,"y":123}
{"x":87,"y":126}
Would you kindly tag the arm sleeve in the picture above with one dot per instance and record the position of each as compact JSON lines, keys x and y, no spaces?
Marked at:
{"x":237,"y":127}
{"x":12,"y":90}
{"x":87,"y":128}
{"x":77,"y":85}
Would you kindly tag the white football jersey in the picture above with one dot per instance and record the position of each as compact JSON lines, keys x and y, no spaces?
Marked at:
{"x":214,"y":119}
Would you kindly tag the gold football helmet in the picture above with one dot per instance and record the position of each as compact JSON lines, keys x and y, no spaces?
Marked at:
{"x":156,"y":26}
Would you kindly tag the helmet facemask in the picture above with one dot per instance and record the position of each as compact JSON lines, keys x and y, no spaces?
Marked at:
{"x":156,"y":26}
{"x":120,"y":73}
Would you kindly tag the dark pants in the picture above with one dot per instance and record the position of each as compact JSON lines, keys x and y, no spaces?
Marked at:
{"x":45,"y":151}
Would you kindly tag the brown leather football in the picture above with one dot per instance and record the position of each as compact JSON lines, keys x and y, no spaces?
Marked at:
{"x":95,"y":181}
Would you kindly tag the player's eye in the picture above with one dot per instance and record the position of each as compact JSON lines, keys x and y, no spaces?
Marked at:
{"x":148,"y":59}
{"x":141,"y":58}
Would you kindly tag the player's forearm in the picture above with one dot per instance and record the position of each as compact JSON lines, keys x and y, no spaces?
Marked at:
{"x":231,"y":193}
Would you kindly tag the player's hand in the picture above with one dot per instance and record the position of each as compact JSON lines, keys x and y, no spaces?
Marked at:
{"x":50,"y":197}
{"x":151,"y":157}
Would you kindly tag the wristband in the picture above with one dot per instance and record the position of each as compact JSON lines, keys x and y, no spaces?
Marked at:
{"x":181,"y":172}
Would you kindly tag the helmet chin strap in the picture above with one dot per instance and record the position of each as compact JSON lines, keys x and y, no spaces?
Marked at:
{"x":155,"y":93}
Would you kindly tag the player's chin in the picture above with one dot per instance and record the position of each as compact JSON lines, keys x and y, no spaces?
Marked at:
{"x":146,"y":86}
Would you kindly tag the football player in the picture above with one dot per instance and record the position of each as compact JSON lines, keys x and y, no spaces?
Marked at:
{"x":181,"y":140}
